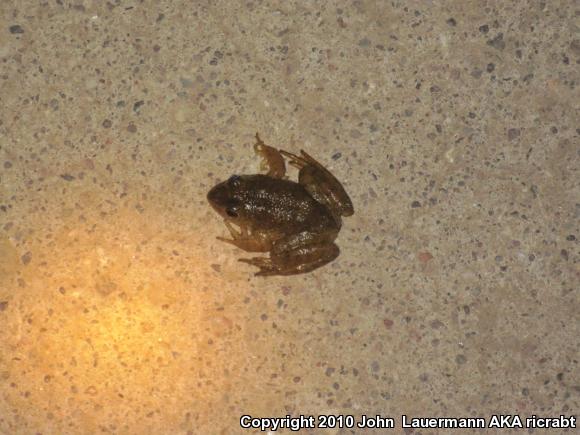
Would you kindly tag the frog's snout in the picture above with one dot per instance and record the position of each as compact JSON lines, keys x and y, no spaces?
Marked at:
{"x":216,"y":195}
{"x":220,"y":198}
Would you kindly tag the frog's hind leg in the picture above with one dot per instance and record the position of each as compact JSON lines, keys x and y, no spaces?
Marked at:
{"x":272,"y":160}
{"x":294,"y":262}
{"x":305,"y":259}
{"x":320,"y":183}
{"x":298,"y":253}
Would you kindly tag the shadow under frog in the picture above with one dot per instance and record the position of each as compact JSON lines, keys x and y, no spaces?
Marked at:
{"x":296,"y":223}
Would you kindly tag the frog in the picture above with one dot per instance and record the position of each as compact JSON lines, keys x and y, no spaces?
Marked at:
{"x":296,"y":223}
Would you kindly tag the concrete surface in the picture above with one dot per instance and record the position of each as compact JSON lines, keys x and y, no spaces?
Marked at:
{"x":454,"y":127}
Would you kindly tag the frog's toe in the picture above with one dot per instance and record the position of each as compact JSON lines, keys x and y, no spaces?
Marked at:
{"x":294,"y":160}
{"x":265,"y":264}
{"x":234,"y":232}
{"x":257,"y":261}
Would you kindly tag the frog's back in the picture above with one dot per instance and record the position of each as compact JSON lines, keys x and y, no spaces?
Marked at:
{"x":282,"y":204}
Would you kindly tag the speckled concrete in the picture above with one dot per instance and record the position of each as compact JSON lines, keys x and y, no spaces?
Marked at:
{"x":453,"y":126}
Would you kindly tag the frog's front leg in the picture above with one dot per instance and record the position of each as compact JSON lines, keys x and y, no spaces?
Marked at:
{"x":298,"y":253}
{"x":254,"y":242}
{"x":272,"y":160}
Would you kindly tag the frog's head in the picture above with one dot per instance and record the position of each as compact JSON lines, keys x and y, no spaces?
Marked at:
{"x":226,"y":198}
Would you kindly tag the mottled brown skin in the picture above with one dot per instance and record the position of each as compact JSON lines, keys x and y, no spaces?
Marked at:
{"x":296,"y":223}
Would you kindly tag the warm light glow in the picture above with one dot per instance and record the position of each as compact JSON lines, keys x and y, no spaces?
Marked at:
{"x":114,"y":326}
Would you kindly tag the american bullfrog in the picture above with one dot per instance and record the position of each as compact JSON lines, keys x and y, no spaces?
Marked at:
{"x":296,"y":223}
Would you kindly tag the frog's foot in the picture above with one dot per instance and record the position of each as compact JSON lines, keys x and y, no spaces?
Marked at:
{"x":272,"y":160}
{"x":243,"y":240}
{"x":300,"y":161}
{"x":266,"y":266}
{"x":320,"y":183}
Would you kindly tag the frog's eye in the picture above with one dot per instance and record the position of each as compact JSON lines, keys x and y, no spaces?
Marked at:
{"x":232,"y":207}
{"x":234,"y":180}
